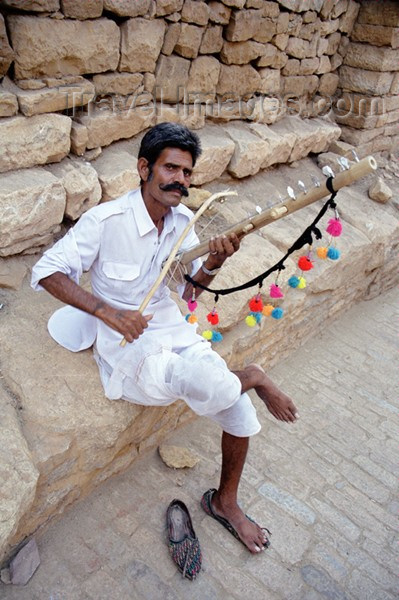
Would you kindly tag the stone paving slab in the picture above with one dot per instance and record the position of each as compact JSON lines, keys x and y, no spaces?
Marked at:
{"x":326,"y":487}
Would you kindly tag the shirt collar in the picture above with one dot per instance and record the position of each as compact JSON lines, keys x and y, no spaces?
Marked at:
{"x":143,"y":220}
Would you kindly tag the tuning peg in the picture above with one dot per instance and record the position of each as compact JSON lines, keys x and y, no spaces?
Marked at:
{"x":291,"y":193}
{"x":316,"y":182}
{"x":355,"y":156}
{"x":302,"y":186}
{"x":258,"y":209}
{"x":343,"y":163}
{"x":327,"y":171}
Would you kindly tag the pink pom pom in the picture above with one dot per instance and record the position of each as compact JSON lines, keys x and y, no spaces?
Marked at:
{"x":275,"y":291}
{"x":192,"y":305}
{"x":334,"y":227}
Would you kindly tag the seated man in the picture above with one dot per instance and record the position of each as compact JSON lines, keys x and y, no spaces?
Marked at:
{"x":123,"y":244}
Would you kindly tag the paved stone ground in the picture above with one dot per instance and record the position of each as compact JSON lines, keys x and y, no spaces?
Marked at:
{"x":326,"y":487}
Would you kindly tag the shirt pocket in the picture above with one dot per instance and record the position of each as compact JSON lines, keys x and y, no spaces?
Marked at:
{"x":121,"y":280}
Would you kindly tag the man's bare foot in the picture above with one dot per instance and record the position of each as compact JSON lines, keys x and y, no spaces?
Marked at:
{"x":278,"y":403}
{"x":250,"y":533}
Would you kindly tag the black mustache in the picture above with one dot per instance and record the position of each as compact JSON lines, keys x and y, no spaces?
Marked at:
{"x":169,"y":187}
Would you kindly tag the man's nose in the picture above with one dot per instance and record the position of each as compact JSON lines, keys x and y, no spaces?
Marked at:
{"x":180,"y":177}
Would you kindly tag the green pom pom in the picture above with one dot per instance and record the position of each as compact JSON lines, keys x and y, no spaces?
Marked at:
{"x":250,"y":321}
{"x":207,"y":334}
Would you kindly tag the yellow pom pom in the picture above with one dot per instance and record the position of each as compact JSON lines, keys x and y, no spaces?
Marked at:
{"x":267,"y":310}
{"x":193,"y":319}
{"x":321,"y":252}
{"x":250,"y":321}
{"x":207,"y":334}
{"x":302,"y":283}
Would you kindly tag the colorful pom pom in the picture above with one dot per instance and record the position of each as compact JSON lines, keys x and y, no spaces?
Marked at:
{"x":250,"y":321}
{"x":302,"y":283}
{"x":293,"y":281}
{"x":216,"y":336}
{"x":304,"y":263}
{"x":207,"y":334}
{"x":267,"y":310}
{"x":277,"y":313}
{"x":192,"y":319}
{"x":258,"y":316}
{"x":256,"y":304}
{"x":322,"y":252}
{"x":213,"y":317}
{"x":333,"y":253}
{"x":275,"y":291}
{"x":192,"y":305}
{"x":334,"y":227}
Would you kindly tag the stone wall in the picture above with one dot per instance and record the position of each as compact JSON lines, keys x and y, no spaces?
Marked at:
{"x":368,"y":109}
{"x":79,"y":75}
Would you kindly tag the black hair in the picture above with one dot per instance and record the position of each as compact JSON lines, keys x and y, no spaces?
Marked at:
{"x":169,"y":135}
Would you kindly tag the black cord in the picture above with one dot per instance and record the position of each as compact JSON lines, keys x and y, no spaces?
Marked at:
{"x":304,"y":238}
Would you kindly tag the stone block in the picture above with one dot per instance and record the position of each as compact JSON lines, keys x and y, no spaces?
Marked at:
{"x":324,"y":65}
{"x":82,"y":9}
{"x":266,"y":31}
{"x":341,"y":148}
{"x":333,"y":43}
{"x":167,"y":7}
{"x":190,"y":115}
{"x":312,"y":135}
{"x":219,"y":13}
{"x":348,"y":18}
{"x":32,"y":204}
{"x":280,"y":143}
{"x":395,"y":85}
{"x":79,"y":138}
{"x":359,"y":121}
{"x":300,"y":5}
{"x":268,"y":56}
{"x":33,"y":5}
{"x":118,"y":83}
{"x":361,"y":104}
{"x":377,"y":35}
{"x":292,"y":67}
{"x":249,"y":153}
{"x":19,"y":472}
{"x":195,"y":11}
{"x":189,"y":41}
{"x":8,"y":102}
{"x":6,"y":52}
{"x":217,"y":150}
{"x":63,"y":47}
{"x":379,"y":191}
{"x":340,"y":7}
{"x":30,"y":141}
{"x":328,"y":84}
{"x":238,"y":80}
{"x":336,"y":61}
{"x":25,"y":563}
{"x":128,"y":8}
{"x":328,"y":27}
{"x":372,"y":58}
{"x":281,"y":41}
{"x":297,"y":48}
{"x":299,"y":85}
{"x":359,"y":136}
{"x":80,"y":183}
{"x":241,"y":53}
{"x":141,"y":43}
{"x":234,"y":3}
{"x":365,"y":81}
{"x":65,"y":96}
{"x":243,"y":25}
{"x":212,"y":40}
{"x":171,"y":37}
{"x":309,"y":17}
{"x":265,"y":110}
{"x":107,"y":124}
{"x":388,"y":17}
{"x":309,"y":66}
{"x":117,"y":172}
{"x":203,"y":78}
{"x":171,"y":77}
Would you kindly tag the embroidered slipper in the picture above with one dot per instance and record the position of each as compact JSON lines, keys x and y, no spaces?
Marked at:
{"x":206,"y":503}
{"x":184,"y":545}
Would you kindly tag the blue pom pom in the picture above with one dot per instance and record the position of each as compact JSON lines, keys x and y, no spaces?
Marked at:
{"x":277,"y":313}
{"x":333,"y":253}
{"x":293,"y":281}
{"x":216,"y":336}
{"x":187,"y":316}
{"x":257,"y":316}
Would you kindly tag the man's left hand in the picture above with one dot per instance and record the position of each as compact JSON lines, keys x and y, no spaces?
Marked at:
{"x":221,"y":248}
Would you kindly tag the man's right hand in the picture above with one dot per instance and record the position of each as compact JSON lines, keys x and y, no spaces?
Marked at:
{"x":130,"y":323}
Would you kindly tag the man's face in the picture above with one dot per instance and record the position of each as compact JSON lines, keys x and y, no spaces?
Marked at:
{"x":169,"y":178}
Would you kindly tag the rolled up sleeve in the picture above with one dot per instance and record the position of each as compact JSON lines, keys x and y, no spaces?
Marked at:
{"x":71,"y":255}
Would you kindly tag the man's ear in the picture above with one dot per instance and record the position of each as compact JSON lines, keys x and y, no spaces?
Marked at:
{"x":143,"y":168}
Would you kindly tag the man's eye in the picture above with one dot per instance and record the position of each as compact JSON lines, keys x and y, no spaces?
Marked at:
{"x":187,"y":173}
